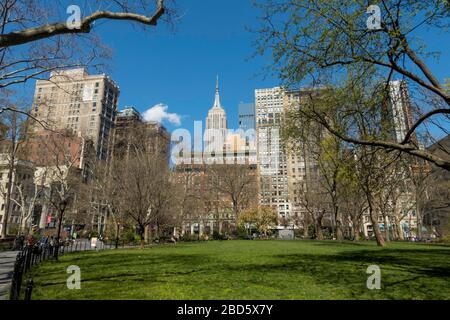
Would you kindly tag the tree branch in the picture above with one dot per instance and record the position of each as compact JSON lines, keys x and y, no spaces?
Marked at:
{"x":421,"y":120}
{"x":50,"y":30}
{"x":442,"y":163}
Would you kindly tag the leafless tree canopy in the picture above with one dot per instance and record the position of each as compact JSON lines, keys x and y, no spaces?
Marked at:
{"x":35,"y":37}
{"x":235,"y":182}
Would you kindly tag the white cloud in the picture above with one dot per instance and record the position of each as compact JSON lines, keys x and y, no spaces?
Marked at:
{"x":159,"y":113}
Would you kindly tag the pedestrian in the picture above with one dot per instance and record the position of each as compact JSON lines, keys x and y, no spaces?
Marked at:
{"x":21,"y":241}
{"x":30,"y":240}
{"x":17,"y":245}
{"x":52,"y":244}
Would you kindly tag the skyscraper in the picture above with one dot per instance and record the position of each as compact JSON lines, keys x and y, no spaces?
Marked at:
{"x":400,"y":109}
{"x":246,"y":116}
{"x":74,"y":100}
{"x":216,"y":126}
{"x":132,"y":133}
{"x":272,"y":165}
{"x":301,"y":164}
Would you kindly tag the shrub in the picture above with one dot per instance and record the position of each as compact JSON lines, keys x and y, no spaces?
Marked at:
{"x":130,"y":236}
{"x":241,"y":233}
{"x":218,"y":236}
{"x":93,"y":234}
{"x":189,"y":237}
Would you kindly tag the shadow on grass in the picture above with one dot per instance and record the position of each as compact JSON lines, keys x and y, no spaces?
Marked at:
{"x":406,"y":273}
{"x":126,"y":267}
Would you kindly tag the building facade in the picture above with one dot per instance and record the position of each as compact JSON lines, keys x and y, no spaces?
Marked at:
{"x":400,"y":110}
{"x":216,"y":130}
{"x":299,"y":161}
{"x":272,"y":160}
{"x":246,"y":116}
{"x":131,"y":133}
{"x":74,"y":100}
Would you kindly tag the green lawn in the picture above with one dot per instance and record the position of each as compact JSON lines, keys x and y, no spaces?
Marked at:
{"x":251,"y":270}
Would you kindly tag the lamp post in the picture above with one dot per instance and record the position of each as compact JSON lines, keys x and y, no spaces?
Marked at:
{"x":117,"y":234}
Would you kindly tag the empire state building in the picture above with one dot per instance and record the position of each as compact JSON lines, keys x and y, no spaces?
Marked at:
{"x":216,"y":126}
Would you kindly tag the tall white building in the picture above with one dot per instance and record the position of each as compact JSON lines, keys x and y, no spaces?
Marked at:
{"x":400,"y":109}
{"x":216,"y":126}
{"x":272,"y":164}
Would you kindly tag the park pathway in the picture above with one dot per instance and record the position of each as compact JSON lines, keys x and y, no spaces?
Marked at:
{"x":7,"y":260}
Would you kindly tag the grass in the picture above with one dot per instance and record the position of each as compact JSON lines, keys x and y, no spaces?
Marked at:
{"x":251,"y":270}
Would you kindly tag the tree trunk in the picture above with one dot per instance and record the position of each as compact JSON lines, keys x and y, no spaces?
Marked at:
{"x":117,"y":234}
{"x":8,"y":193}
{"x":419,"y":221}
{"x":356,"y":235}
{"x":319,"y":234}
{"x":386,"y":228}
{"x":142,"y":235}
{"x":339,"y":233}
{"x":146,"y":234}
{"x":318,"y":227}
{"x":338,"y":224}
{"x":23,"y":225}
{"x":375,"y":227}
{"x":398,"y":227}
{"x":58,"y":233}
{"x":355,"y":229}
{"x":305,"y":230}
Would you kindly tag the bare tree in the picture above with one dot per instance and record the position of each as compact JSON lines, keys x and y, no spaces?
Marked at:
{"x":235,"y":181}
{"x":387,"y":199}
{"x":353,"y":205}
{"x":146,"y":191}
{"x":104,"y":182}
{"x":325,"y":157}
{"x":314,"y":199}
{"x":59,"y":159}
{"x":15,"y":130}
{"x":372,"y":169}
{"x":43,"y":45}
{"x":26,"y":200}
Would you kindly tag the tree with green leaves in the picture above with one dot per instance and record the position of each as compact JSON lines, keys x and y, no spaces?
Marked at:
{"x":263,"y":218}
{"x":331,"y":44}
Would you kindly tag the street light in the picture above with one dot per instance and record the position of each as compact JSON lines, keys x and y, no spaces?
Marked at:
{"x":117,"y":234}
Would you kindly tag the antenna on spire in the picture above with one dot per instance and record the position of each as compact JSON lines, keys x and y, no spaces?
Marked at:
{"x":217,"y":98}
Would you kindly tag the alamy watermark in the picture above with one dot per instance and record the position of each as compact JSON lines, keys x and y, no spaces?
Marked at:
{"x":374,"y":280}
{"x":373,"y":22}
{"x":74,"y":20}
{"x":74,"y":280}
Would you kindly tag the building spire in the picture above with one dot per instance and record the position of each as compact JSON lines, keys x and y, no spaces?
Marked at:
{"x":217,"y":98}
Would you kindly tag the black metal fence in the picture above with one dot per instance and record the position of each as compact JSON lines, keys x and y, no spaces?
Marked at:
{"x":31,"y":255}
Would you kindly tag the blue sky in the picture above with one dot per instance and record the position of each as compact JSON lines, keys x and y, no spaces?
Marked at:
{"x":178,"y":67}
